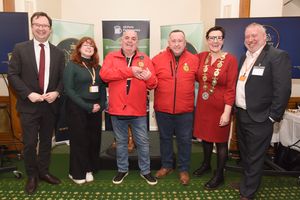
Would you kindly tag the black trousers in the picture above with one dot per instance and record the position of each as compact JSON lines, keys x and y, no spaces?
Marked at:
{"x":85,"y":140}
{"x":37,"y":129}
{"x":253,"y":139}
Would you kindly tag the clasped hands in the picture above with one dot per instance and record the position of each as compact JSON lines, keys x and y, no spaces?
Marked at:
{"x":49,"y":97}
{"x":141,"y":73}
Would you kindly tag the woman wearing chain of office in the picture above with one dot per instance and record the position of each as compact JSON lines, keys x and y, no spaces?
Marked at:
{"x":217,"y":76}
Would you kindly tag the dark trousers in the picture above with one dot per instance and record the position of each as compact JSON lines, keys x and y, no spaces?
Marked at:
{"x":37,"y":130}
{"x":181,"y":125}
{"x":85,"y":140}
{"x":253,"y":139}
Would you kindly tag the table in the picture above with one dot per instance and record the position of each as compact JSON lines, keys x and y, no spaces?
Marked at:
{"x":287,"y":132}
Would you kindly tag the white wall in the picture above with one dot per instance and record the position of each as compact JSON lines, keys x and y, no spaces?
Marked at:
{"x":291,"y":8}
{"x":50,"y":6}
{"x":210,"y":10}
{"x":266,"y":8}
{"x":229,"y":8}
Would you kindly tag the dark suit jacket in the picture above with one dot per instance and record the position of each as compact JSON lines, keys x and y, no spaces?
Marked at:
{"x":268,"y":95}
{"x":23,"y":75}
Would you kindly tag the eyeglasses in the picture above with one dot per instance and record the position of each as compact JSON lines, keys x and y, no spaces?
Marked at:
{"x":41,"y":25}
{"x":213,"y":38}
{"x":88,"y":45}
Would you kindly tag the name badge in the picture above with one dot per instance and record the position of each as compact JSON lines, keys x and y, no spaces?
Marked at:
{"x":258,"y":70}
{"x":94,"y":88}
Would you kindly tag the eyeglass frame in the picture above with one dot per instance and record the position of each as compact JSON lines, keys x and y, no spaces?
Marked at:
{"x":87,"y":45}
{"x":213,"y":38}
{"x":41,"y":25}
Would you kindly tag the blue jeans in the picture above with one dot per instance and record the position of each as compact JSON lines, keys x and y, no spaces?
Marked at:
{"x":141,"y":139}
{"x":181,"y":125}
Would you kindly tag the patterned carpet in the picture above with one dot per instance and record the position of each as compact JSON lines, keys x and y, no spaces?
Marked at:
{"x":134,"y":187}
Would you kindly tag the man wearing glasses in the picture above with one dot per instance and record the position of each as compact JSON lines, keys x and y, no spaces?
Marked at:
{"x":35,"y":73}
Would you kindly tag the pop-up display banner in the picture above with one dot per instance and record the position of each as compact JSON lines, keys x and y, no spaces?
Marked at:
{"x":282,"y":32}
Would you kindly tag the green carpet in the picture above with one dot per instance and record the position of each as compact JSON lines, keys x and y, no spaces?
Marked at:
{"x":134,"y":187}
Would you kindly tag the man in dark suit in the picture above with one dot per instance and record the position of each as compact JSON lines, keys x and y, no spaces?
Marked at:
{"x":263,"y":90}
{"x":35,"y":73}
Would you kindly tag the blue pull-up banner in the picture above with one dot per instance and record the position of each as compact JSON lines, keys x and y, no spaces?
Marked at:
{"x":282,"y":32}
{"x":14,"y":29}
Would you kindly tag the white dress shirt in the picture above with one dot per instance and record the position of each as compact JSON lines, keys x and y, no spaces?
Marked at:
{"x":37,"y":50}
{"x":240,"y":99}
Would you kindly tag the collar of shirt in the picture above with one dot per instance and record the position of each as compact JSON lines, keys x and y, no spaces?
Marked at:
{"x":37,"y":43}
{"x":256,"y":53}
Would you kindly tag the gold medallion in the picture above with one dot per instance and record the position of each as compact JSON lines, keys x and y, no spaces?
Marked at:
{"x":216,"y":73}
{"x":204,"y":78}
{"x":214,"y":82}
{"x":186,"y":68}
{"x":141,"y":64}
{"x":220,"y":64}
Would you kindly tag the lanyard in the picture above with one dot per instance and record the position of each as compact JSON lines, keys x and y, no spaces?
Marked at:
{"x":93,"y":75}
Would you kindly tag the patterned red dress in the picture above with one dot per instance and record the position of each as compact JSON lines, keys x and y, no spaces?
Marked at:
{"x":210,"y":105}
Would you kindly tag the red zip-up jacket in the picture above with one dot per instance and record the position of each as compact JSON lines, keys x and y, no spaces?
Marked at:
{"x":116,"y":72}
{"x":175,"y":92}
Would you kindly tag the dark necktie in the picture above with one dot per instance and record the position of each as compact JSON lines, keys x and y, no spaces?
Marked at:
{"x":42,"y":67}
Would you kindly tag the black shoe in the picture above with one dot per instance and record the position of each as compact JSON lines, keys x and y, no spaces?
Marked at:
{"x":31,"y":185}
{"x":118,"y":179}
{"x":202,"y":170}
{"x":214,"y":182}
{"x":49,"y":178}
{"x":149,"y":178}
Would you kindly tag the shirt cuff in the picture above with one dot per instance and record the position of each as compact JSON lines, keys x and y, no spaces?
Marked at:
{"x":272,"y":120}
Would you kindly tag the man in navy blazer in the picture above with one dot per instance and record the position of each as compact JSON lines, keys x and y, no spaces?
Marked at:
{"x":37,"y":98}
{"x":262,"y":93}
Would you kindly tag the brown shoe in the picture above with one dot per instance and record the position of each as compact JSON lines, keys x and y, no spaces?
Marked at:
{"x":184,"y":178}
{"x":163,"y":172}
{"x":49,"y":178}
{"x":31,"y":185}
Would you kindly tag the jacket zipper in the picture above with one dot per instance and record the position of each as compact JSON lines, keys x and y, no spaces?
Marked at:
{"x":174,"y":105}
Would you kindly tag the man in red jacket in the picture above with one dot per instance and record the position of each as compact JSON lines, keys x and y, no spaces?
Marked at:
{"x":176,"y":70}
{"x":129,"y":74}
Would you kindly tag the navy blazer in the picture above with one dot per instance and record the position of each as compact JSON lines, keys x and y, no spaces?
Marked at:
{"x":268,"y":95}
{"x":23,"y":75}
